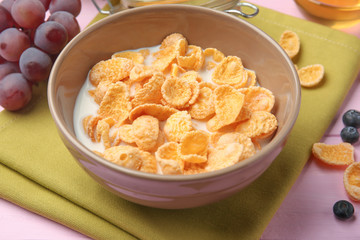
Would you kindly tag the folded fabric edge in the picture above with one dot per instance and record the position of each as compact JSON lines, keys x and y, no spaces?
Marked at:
{"x":42,"y":203}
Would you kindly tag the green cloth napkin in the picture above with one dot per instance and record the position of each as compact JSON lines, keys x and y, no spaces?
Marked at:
{"x":38,"y":173}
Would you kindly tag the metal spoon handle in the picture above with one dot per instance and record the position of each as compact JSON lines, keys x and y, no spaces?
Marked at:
{"x":241,"y":13}
{"x":239,"y":5}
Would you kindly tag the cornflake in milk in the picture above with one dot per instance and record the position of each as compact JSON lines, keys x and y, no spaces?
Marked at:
{"x":174,"y":108}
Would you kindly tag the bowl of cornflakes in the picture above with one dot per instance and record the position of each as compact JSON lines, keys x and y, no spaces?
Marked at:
{"x":174,"y":106}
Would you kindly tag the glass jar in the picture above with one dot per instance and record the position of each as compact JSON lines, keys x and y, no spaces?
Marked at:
{"x":243,"y":9}
{"x":332,"y":9}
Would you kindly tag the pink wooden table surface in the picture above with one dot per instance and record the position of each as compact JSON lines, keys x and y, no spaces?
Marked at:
{"x":306,"y":212}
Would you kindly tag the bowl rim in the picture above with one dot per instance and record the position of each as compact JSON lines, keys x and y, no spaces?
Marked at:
{"x":276,"y":141}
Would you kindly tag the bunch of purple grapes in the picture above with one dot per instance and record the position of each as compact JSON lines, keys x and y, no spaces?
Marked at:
{"x":29,"y":44}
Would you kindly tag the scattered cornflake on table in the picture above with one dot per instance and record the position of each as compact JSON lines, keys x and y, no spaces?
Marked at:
{"x":336,"y":155}
{"x":352,"y":181}
{"x":290,"y":42}
{"x":311,"y":75}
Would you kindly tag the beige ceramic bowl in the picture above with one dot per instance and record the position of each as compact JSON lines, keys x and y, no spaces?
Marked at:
{"x":145,"y":27}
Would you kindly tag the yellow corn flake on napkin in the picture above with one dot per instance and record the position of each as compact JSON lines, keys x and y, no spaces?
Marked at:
{"x":38,"y":173}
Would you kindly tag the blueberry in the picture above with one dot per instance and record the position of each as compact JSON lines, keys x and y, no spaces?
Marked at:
{"x":351,"y":118}
{"x":343,"y":209}
{"x":349,"y":134}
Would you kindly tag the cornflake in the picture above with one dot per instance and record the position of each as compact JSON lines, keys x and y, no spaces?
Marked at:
{"x":124,"y":133}
{"x":261,"y":125}
{"x":311,"y":75}
{"x":113,"y":70}
{"x":89,"y":124}
{"x":194,"y":168}
{"x":178,"y":109}
{"x":191,"y":76}
{"x":245,"y":114}
{"x":101,"y":90}
{"x":211,"y":65}
{"x":224,"y":156}
{"x":166,"y":56}
{"x":126,"y":156}
{"x":149,"y":163}
{"x":171,"y":40}
{"x":290,"y":42}
{"x":177,"y":125}
{"x":156,"y":110}
{"x":235,"y":137}
{"x":352,"y":181}
{"x":228,"y":103}
{"x":140,"y":72}
{"x":136,"y":57}
{"x":194,"y":146}
{"x":146,"y":131}
{"x":168,"y":158}
{"x":230,"y":71}
{"x":192,"y":80}
{"x":176,"y":92}
{"x":176,"y":70}
{"x":150,"y":92}
{"x":194,"y":60}
{"x":251,"y":78}
{"x":116,"y":103}
{"x":208,"y":85}
{"x":103,"y":131}
{"x":217,"y":55}
{"x":204,"y":105}
{"x":339,"y":154}
{"x":258,"y":98}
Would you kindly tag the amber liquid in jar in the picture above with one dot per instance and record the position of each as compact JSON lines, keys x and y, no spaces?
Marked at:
{"x":332,"y":9}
